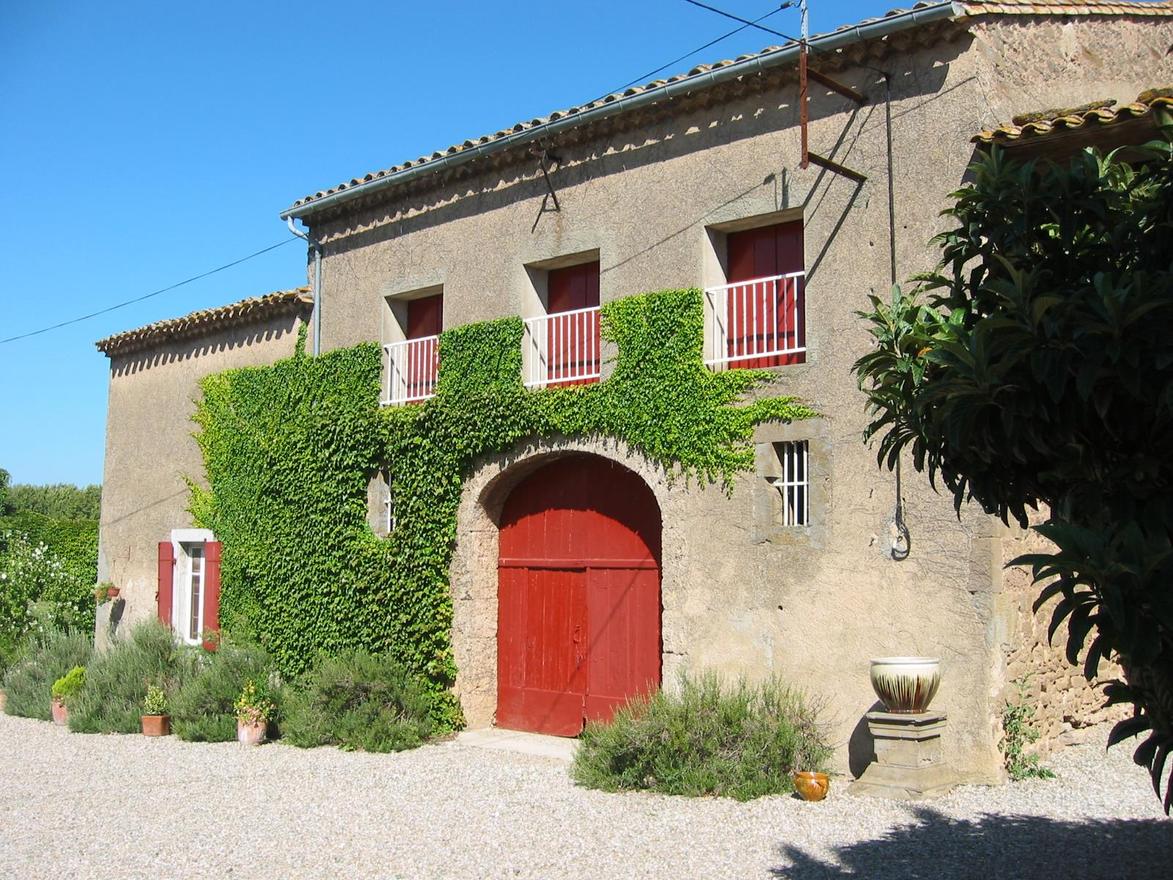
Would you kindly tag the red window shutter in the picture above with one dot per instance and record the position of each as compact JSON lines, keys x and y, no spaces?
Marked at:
{"x":166,"y":581}
{"x":572,"y":343}
{"x":212,"y":551}
{"x":425,"y":317}
{"x":766,"y":316}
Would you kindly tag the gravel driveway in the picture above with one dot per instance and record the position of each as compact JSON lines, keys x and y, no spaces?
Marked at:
{"x":128,"y":806}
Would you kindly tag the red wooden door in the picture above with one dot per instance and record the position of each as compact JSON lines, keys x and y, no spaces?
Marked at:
{"x":578,"y":624}
{"x":425,"y":318}
{"x":572,"y":341}
{"x":767,"y":316}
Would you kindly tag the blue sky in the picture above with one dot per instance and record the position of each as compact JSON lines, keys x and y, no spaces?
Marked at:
{"x":145,"y":143}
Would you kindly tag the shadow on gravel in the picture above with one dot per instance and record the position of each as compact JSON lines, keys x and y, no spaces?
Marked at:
{"x":994,"y":847}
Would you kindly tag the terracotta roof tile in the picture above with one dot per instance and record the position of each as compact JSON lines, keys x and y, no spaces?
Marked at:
{"x":1079,"y":118}
{"x":247,"y":311}
{"x":961,"y":7}
{"x":1066,"y":7}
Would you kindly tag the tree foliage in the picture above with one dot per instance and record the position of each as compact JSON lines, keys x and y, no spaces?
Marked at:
{"x":56,"y":501}
{"x":289,"y":450}
{"x":1034,"y":371}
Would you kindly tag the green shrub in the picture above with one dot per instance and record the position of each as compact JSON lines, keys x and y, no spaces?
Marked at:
{"x":202,"y":708}
{"x":48,"y":656}
{"x":741,"y":741}
{"x":155,"y":702}
{"x":117,"y":680}
{"x":68,"y":685}
{"x":38,"y":585}
{"x":359,"y":701}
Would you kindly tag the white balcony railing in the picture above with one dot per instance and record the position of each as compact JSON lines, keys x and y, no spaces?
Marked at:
{"x":562,"y":349}
{"x":412,"y":366}
{"x":756,"y":323}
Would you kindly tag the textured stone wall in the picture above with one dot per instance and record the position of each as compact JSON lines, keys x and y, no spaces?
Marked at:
{"x":1065,"y":704}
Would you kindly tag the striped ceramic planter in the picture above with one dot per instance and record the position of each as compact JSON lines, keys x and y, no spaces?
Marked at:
{"x":906,"y":684}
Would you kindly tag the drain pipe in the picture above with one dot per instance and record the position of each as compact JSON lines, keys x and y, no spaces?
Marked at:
{"x":316,"y":247}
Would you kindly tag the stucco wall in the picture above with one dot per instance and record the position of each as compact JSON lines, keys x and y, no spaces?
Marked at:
{"x":739,"y":594}
{"x":150,"y":448}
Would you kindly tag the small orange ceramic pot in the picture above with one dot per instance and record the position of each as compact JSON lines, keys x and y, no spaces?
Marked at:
{"x":811,"y":785}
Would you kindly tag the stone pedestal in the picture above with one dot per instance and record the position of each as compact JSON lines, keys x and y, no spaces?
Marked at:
{"x":908,"y":763}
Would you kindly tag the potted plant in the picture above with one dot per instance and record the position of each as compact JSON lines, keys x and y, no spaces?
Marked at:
{"x":105,"y":591}
{"x":254,"y":709}
{"x":64,"y":690}
{"x":156,"y":721}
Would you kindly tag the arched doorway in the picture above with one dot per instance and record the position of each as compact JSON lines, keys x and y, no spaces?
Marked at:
{"x":578,"y":619}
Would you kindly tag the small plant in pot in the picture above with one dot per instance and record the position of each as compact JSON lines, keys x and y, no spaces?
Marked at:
{"x":105,"y":592}
{"x":254,"y":710}
{"x":156,"y":721}
{"x":65,"y":689}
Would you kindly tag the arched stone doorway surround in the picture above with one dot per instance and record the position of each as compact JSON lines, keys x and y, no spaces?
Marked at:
{"x":474,"y":571}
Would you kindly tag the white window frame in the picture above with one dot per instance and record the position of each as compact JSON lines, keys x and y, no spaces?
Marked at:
{"x":183,"y":541}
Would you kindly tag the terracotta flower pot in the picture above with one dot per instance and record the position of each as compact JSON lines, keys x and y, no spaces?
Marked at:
{"x":251,"y":733}
{"x":811,"y":786}
{"x":60,"y":712}
{"x":3,"y":700}
{"x":112,"y":592}
{"x":156,"y":725}
{"x":906,"y":685}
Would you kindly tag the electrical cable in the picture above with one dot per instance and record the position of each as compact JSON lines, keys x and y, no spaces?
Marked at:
{"x":646,"y":77}
{"x":809,"y":46}
{"x":747,"y":22}
{"x":145,"y":296}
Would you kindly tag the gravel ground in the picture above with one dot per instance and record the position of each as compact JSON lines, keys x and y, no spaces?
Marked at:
{"x":127,"y":806}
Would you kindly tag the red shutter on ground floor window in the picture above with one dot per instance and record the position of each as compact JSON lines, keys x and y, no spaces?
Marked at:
{"x":212,"y":550}
{"x":166,"y":587}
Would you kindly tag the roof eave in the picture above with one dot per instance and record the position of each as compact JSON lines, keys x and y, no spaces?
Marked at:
{"x":786,"y":55}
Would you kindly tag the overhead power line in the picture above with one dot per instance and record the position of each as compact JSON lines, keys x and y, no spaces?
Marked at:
{"x":746,"y":22}
{"x":138,"y":299}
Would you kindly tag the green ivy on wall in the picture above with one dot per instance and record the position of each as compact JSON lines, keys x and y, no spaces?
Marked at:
{"x":289,"y":450}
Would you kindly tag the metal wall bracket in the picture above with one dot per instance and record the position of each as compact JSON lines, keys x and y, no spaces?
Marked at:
{"x":545,"y":157}
{"x":805,"y":74}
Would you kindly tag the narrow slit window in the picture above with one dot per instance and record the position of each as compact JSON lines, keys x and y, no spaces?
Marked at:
{"x":388,"y":505}
{"x":793,"y":483}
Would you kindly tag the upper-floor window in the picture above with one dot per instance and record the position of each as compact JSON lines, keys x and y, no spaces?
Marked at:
{"x":758,"y":317}
{"x":562,"y":346}
{"x":413,"y":360}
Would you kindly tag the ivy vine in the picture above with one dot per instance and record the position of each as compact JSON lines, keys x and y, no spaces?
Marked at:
{"x":289,"y":450}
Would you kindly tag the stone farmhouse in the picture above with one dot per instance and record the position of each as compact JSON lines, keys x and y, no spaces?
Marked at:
{"x":787,"y":185}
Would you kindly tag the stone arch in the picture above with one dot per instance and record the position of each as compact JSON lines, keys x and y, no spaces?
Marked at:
{"x":473,"y":572}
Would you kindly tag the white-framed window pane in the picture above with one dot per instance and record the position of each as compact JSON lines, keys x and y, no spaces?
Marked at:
{"x":196,"y":591}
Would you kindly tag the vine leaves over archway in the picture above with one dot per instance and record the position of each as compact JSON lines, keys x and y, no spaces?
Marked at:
{"x":289,"y":448}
